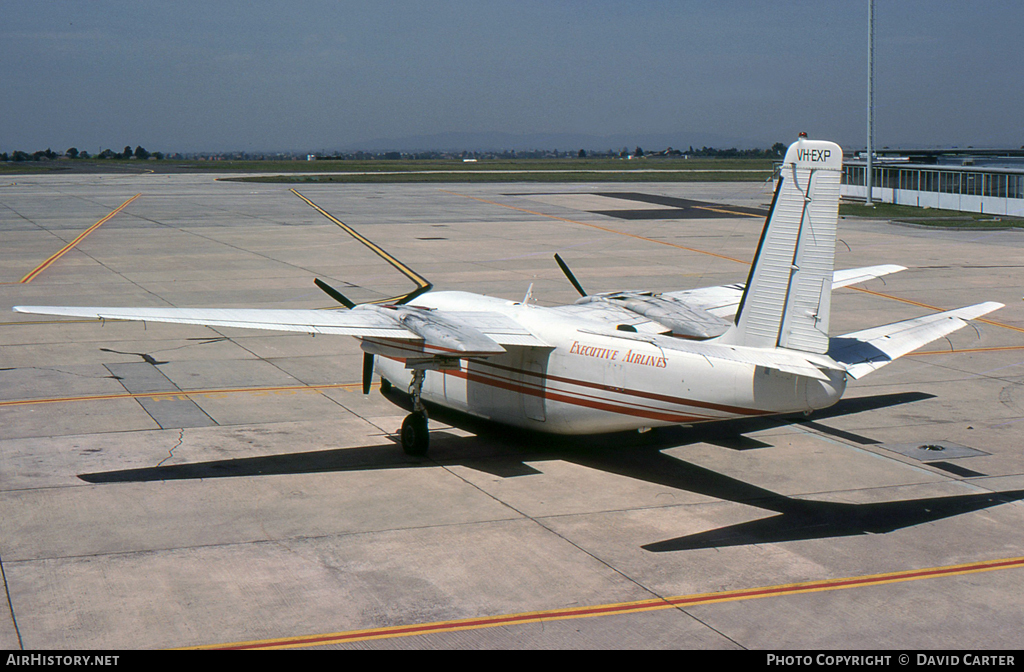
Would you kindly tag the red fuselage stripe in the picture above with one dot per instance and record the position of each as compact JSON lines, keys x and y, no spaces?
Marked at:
{"x":496,"y":379}
{"x":576,"y":400}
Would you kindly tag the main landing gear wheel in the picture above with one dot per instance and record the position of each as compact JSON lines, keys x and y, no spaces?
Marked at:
{"x":415,"y":437}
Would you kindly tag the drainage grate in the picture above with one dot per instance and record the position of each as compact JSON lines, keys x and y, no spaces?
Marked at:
{"x":933,"y":450}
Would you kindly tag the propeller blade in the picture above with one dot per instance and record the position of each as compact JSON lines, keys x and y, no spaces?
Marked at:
{"x":568,"y":274}
{"x":367,"y":371}
{"x":333,"y":293}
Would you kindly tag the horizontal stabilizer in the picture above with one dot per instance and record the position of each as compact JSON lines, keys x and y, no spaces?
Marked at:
{"x":864,"y":351}
{"x":852,"y":276}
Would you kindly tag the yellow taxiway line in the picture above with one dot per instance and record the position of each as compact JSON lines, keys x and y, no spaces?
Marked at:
{"x":184,"y":394}
{"x":996,"y":348}
{"x":936,"y":309}
{"x":677,"y":602}
{"x":70,"y":246}
{"x":421,"y":282}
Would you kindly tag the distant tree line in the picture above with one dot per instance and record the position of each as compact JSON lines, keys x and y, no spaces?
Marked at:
{"x":73,"y":153}
{"x":776,"y":151}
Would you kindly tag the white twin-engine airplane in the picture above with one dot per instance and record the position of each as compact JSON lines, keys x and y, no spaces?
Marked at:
{"x":623,"y":360}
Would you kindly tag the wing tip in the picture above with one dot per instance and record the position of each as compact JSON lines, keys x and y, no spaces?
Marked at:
{"x":39,"y":310}
{"x":977,"y":310}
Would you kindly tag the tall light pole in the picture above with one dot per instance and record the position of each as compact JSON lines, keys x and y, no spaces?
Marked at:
{"x":870,"y":172}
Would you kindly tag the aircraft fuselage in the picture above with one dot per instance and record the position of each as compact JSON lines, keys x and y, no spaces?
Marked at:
{"x":590,"y":383}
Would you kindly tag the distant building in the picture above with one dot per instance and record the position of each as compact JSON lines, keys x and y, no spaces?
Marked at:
{"x":992,"y":190}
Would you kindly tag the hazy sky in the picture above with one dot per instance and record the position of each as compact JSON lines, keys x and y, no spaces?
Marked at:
{"x":309,"y":75}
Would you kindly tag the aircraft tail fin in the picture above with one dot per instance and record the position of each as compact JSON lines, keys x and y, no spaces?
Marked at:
{"x":787,"y":299}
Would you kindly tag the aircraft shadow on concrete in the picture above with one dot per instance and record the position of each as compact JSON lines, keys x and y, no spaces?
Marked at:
{"x":505,"y":453}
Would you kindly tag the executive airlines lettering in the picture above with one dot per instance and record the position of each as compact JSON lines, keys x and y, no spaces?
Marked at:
{"x":591,"y":351}
{"x":813,"y":154}
{"x":607,"y":353}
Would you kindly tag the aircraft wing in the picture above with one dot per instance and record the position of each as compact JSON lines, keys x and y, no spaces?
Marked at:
{"x":695,"y":313}
{"x":862,"y":352}
{"x":470,"y":333}
{"x":611,"y":314}
{"x":347,"y":323}
{"x":500,"y":328}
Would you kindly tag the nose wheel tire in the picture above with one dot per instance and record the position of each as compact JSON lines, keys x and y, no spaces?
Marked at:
{"x":415,"y":437}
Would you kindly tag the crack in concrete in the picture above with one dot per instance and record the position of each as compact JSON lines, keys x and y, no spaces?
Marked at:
{"x":170,"y":453}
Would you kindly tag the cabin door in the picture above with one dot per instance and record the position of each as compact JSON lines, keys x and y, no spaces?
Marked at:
{"x":533,"y":376}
